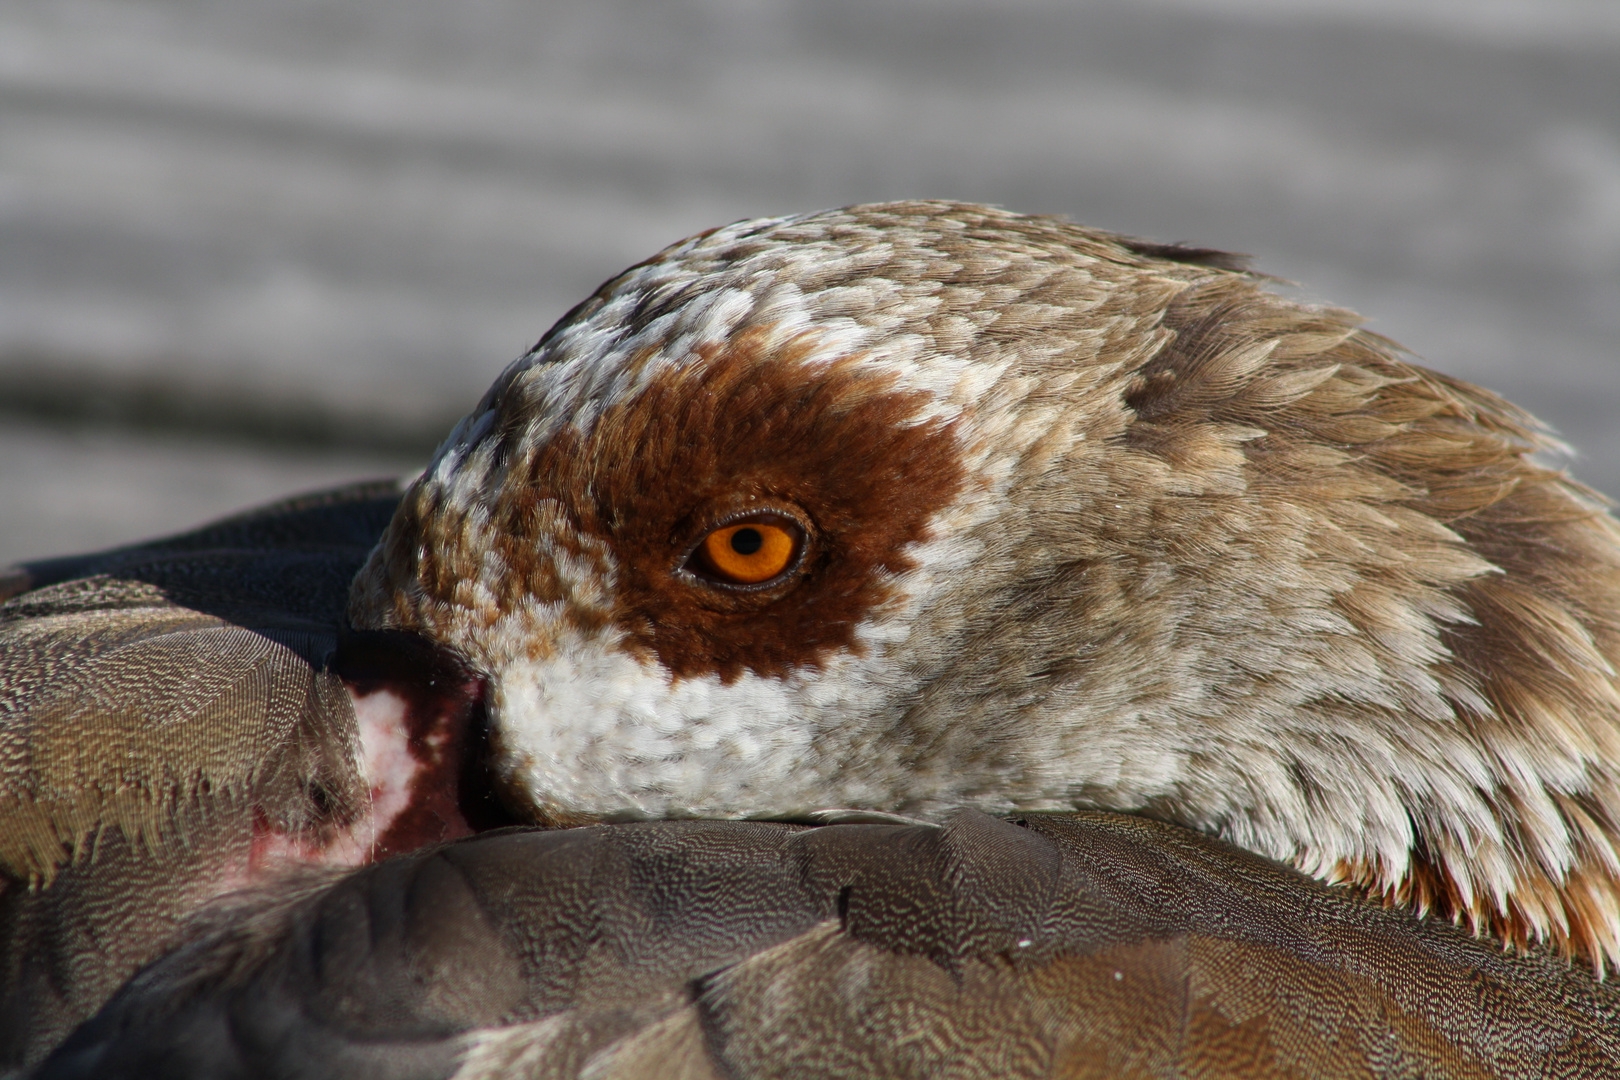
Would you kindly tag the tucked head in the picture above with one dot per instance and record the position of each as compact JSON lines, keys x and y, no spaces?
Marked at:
{"x":917,"y":505}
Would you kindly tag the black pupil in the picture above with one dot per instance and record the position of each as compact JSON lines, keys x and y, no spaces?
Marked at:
{"x":746,"y":541}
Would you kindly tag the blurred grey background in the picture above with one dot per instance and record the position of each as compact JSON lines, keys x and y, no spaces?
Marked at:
{"x":248,"y":248}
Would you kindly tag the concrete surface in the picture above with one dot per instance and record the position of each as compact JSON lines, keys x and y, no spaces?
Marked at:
{"x":67,"y":490}
{"x":367,"y":208}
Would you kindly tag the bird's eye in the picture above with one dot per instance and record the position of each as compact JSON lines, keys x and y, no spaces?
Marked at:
{"x":751,"y":552}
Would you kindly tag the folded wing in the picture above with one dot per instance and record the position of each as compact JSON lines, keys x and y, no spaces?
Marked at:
{"x":165,"y":719}
{"x":1084,"y":945}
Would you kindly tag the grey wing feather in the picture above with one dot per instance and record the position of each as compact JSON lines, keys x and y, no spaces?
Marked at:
{"x":1084,"y":945}
{"x":158,"y":703}
{"x":138,"y":718}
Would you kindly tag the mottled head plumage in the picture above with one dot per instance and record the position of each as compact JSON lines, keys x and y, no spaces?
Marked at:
{"x":1086,"y":522}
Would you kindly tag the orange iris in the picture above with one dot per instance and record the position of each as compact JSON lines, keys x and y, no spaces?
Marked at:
{"x":748,"y":552}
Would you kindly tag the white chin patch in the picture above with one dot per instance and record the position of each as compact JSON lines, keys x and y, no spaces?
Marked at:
{"x":597,"y":732}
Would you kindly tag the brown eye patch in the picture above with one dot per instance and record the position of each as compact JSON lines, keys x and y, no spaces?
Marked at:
{"x":753,"y":552}
{"x":738,"y":431}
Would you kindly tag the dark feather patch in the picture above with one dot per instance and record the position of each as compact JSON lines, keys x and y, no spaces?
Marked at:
{"x":1185,"y":253}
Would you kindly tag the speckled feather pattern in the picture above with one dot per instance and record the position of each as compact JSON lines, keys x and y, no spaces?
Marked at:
{"x":1078,"y":946}
{"x":1207,"y":553}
